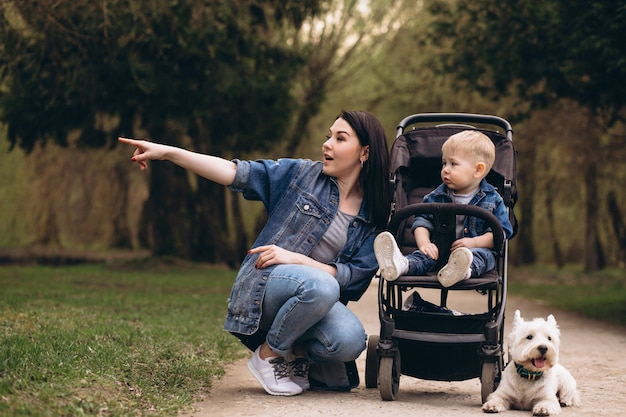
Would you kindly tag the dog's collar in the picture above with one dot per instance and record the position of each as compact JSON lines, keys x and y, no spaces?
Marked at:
{"x":526,"y":374}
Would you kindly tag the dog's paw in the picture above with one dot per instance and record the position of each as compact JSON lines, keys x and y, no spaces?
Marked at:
{"x":569,"y":402}
{"x":544,"y":409}
{"x":569,"y":397}
{"x":491,"y":407}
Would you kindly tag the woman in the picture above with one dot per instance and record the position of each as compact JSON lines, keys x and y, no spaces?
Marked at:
{"x":314,"y":254}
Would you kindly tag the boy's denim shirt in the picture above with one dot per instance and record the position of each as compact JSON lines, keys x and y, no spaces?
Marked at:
{"x":487,"y":197}
{"x":301,"y":203}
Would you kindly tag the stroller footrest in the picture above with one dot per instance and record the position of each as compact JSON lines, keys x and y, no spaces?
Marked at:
{"x":487,"y":281}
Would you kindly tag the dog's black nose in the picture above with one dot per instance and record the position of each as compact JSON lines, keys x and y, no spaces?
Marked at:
{"x":542,"y":349}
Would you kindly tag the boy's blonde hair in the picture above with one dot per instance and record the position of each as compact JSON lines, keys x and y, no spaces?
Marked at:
{"x":473,"y":144}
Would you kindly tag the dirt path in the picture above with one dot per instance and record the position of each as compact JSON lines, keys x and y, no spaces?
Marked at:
{"x":593,"y":352}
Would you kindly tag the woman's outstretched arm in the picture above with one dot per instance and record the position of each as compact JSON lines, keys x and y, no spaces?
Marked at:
{"x":213,"y":168}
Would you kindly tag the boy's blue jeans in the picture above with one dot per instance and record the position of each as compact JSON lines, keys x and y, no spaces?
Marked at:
{"x":484,"y":260}
{"x":301,"y":306}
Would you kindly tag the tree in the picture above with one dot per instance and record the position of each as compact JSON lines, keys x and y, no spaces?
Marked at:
{"x":211,"y":75}
{"x":542,"y":52}
{"x":338,"y":43}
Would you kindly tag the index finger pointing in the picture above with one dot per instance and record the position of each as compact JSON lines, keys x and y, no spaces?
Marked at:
{"x":128,"y":141}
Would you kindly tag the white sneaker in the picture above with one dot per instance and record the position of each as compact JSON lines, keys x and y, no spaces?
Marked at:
{"x":300,"y":372}
{"x":274,"y":374}
{"x":458,"y":267}
{"x":391,"y":261}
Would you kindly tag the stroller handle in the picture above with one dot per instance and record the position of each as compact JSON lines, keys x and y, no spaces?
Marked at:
{"x":450,"y":209}
{"x":457,"y":118}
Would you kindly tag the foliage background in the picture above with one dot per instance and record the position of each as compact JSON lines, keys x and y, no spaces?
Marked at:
{"x":390,"y":60}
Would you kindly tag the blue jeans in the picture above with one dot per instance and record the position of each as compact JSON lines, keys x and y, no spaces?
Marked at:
{"x":483,"y":261}
{"x":301,"y":306}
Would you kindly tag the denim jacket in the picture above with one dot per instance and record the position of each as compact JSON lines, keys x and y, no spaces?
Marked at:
{"x":301,"y":203}
{"x":487,"y":197}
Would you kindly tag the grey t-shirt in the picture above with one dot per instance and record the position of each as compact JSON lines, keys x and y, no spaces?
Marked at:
{"x":334,"y":239}
{"x":461,"y":199}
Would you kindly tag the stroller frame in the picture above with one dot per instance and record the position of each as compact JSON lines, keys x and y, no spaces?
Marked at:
{"x":455,"y":347}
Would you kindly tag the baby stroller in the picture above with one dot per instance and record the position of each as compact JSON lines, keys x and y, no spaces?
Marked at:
{"x":428,"y":340}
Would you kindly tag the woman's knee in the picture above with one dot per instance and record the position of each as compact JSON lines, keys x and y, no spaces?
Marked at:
{"x":320,"y":287}
{"x":353,"y":342}
{"x":340,"y":336}
{"x":346,"y":345}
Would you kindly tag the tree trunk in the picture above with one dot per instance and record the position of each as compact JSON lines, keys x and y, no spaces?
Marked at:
{"x":526,"y":180}
{"x":210,"y":226}
{"x":313,"y":98}
{"x":591,"y":245}
{"x":121,"y":231}
{"x":616,"y":220}
{"x":169,"y":210}
{"x":556,"y":247}
{"x":48,"y":233}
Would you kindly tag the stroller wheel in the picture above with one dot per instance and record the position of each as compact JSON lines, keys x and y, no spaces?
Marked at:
{"x":371,"y":362}
{"x":488,"y":379}
{"x":389,"y":372}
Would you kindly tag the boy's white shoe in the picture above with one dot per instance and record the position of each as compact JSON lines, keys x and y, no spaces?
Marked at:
{"x":458,"y":267}
{"x":274,"y":374}
{"x":391,"y":262}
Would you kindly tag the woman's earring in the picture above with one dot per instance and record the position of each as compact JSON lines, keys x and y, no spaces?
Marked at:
{"x":361,"y":164}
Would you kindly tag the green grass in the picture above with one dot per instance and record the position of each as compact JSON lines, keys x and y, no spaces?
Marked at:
{"x":145,"y":339}
{"x":599,"y":295}
{"x":111,"y":340}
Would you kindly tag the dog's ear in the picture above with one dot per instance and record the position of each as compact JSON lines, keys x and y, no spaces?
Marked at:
{"x":517,"y":318}
{"x":551,"y":320}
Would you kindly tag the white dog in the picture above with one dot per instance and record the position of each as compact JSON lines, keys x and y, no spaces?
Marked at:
{"x":534,"y":380}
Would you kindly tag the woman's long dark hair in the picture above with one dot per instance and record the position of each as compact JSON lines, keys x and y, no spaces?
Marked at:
{"x":375,"y":173}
